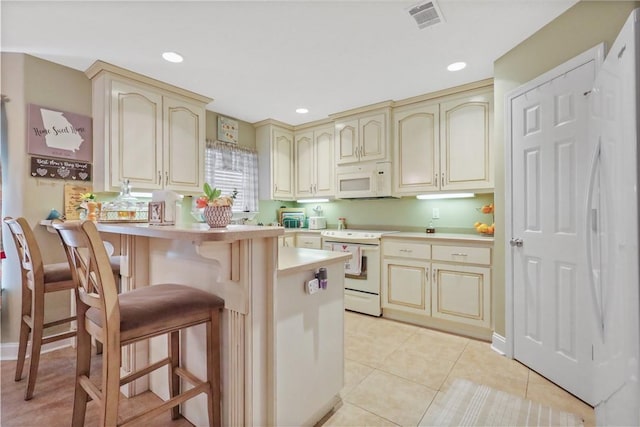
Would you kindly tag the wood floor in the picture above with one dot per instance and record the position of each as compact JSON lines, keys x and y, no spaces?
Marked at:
{"x":52,"y":401}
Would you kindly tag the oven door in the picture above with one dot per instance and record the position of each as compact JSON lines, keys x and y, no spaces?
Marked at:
{"x":366,"y":278}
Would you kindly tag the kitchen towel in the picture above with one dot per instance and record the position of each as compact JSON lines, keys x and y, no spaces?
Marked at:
{"x":352,"y":266}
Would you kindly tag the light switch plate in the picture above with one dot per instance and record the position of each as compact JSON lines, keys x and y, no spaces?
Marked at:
{"x":312,"y":286}
{"x":436,"y":213}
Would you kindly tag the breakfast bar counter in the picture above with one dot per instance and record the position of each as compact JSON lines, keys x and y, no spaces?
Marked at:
{"x":266,"y":311}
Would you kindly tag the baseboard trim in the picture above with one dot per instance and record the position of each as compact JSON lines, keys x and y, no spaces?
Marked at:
{"x":9,"y":350}
{"x":499,"y":344}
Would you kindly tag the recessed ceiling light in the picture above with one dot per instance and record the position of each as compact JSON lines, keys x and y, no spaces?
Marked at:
{"x":172,"y":57}
{"x":456,"y":66}
{"x":302,"y":110}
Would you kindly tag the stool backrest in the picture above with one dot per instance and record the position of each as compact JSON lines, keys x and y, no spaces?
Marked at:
{"x":90,"y":269}
{"x":28,"y":251}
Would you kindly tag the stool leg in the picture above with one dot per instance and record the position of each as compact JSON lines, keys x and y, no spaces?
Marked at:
{"x":24,"y":330}
{"x":37,"y":320}
{"x":22,"y":348}
{"x":83,"y":368}
{"x":213,"y":369}
{"x":110,"y":381}
{"x":174,"y":379}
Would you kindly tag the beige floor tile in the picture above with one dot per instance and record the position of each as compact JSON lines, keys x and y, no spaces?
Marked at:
{"x":396,"y":399}
{"x":351,"y":415}
{"x":435,"y":345}
{"x":415,"y":366}
{"x":480,"y":364}
{"x":354,"y":373}
{"x":365,"y":350}
{"x":544,"y":391}
{"x":386,"y":331}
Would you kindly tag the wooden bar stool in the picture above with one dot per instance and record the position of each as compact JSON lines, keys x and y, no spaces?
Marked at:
{"x":39,"y":279}
{"x":118,"y":320}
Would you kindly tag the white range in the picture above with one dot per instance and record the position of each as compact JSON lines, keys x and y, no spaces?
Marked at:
{"x":362,"y":271}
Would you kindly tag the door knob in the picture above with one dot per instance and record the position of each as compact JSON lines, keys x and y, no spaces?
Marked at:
{"x":516,"y":242}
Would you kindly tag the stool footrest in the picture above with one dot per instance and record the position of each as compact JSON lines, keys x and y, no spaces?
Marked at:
{"x":58,"y":337}
{"x":168,"y":404}
{"x":142,"y":372}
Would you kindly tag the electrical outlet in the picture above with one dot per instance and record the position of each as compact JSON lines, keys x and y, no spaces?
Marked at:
{"x":312,"y":286}
{"x":436,"y":213}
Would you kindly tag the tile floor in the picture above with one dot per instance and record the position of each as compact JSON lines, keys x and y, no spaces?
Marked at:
{"x":393,"y":371}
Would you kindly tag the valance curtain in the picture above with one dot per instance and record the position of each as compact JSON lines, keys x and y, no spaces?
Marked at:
{"x":231,"y":167}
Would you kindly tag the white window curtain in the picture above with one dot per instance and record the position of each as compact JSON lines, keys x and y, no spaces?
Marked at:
{"x":231,"y":167}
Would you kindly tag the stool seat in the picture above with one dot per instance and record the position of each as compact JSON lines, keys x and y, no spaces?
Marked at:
{"x":58,"y":272}
{"x":156,"y":309}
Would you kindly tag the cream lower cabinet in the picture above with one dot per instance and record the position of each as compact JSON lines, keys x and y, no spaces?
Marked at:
{"x":309,"y":240}
{"x":287,"y":241}
{"x":461,"y":286}
{"x":150,"y":133}
{"x":275,"y":148}
{"x":444,"y":144}
{"x":446,"y":286}
{"x":406,"y":276}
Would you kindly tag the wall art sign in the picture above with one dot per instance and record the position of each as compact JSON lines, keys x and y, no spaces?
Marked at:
{"x":42,"y":167}
{"x":56,"y":133}
{"x":227,"y":130}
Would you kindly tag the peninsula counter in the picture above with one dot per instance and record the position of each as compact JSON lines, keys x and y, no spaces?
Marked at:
{"x":240,"y":264}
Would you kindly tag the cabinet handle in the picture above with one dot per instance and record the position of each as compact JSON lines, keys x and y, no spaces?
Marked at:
{"x":166,"y":178}
{"x":275,"y":187}
{"x":459,"y":254}
{"x":406,"y":250}
{"x":442,"y":180}
{"x":436,"y":180}
{"x":427,"y":273}
{"x":159,"y":177}
{"x":433,"y":275}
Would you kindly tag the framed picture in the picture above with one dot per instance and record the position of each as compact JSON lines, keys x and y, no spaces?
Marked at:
{"x":227,"y":130}
{"x":156,"y":212}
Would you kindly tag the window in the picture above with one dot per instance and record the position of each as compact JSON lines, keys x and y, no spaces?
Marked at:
{"x":230,"y":167}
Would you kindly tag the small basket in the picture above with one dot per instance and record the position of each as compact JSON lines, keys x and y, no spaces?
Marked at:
{"x":217,"y":216}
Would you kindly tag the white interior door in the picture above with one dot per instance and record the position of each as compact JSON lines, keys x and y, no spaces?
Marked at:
{"x":552,"y":310}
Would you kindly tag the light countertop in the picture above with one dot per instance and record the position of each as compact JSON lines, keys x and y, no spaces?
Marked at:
{"x":293,"y":260}
{"x":460,"y":237}
{"x":197,"y":232}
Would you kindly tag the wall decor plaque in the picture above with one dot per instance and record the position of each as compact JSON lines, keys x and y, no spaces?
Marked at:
{"x":42,"y":167}
{"x":72,"y":199}
{"x":57,"y":133}
{"x":227,"y":130}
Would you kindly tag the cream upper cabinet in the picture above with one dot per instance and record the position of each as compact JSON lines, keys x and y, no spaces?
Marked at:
{"x":444,"y":144}
{"x":314,"y":171}
{"x":150,"y":133}
{"x":465,"y":142}
{"x":417,"y":136}
{"x":275,"y":161}
{"x":363,"y":137}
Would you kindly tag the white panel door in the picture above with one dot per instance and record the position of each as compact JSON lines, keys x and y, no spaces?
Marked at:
{"x":552,"y":308}
{"x":373,"y":137}
{"x":405,"y":285}
{"x":323,"y":162}
{"x":282,"y":164}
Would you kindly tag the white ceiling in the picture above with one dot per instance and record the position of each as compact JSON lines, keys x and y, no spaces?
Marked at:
{"x":263,"y":59}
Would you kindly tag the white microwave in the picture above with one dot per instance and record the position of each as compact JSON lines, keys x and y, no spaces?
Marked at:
{"x":369,"y":180}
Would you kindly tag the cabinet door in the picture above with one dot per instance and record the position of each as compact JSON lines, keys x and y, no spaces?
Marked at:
{"x":324,"y":161}
{"x":308,"y":241}
{"x":405,"y":285}
{"x":373,"y":137}
{"x":465,"y":142}
{"x":136,"y":136}
{"x":417,"y":161}
{"x":282,"y":171}
{"x":304,"y":165}
{"x":184,"y":129}
{"x":462,"y":294}
{"x":346,"y":141}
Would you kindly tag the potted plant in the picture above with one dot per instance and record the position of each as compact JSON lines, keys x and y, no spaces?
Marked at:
{"x":217,"y":208}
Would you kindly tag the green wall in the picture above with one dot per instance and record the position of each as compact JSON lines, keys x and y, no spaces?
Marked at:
{"x":580,"y":28}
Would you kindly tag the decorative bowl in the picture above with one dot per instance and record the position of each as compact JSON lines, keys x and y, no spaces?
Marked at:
{"x":217,"y":216}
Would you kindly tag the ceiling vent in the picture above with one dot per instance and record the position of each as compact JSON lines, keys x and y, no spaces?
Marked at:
{"x":426,"y":14}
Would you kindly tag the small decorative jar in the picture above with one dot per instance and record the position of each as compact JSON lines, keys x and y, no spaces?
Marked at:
{"x":217,"y":216}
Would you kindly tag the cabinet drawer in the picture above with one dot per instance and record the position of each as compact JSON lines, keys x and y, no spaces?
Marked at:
{"x":462,"y":254}
{"x":404,"y":249}
{"x":310,"y":242}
